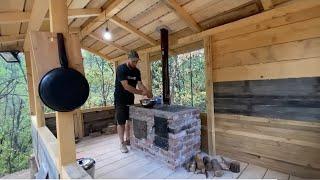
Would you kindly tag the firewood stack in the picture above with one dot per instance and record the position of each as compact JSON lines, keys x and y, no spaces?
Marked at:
{"x":205,"y":165}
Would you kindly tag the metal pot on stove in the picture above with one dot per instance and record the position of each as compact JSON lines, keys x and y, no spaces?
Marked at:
{"x":148,"y":103}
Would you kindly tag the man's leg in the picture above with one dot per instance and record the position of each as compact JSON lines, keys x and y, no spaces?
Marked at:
{"x":127,"y":131}
{"x":121,"y":120}
{"x":120,"y":130}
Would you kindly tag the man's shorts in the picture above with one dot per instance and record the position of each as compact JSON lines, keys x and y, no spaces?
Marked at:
{"x":122,"y":114}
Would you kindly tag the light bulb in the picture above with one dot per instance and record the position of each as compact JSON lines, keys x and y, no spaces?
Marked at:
{"x":107,"y":34}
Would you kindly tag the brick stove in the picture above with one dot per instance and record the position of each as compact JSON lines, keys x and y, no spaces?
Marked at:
{"x":168,"y":133}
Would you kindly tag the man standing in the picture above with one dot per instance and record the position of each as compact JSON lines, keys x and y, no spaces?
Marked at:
{"x":127,"y":78}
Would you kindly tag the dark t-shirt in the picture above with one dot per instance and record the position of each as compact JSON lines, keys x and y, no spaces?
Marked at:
{"x":122,"y":96}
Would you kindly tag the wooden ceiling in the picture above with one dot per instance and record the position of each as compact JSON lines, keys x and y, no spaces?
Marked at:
{"x":133,"y":23}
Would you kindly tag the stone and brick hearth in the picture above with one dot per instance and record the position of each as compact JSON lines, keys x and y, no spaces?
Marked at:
{"x":168,"y":133}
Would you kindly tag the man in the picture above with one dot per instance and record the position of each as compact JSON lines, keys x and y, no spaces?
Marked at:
{"x":127,"y":78}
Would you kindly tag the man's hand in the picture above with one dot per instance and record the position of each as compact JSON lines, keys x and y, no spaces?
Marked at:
{"x":149,"y":94}
{"x":144,"y":93}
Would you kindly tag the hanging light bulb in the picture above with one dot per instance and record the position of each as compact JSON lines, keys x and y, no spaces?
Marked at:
{"x":107,"y":34}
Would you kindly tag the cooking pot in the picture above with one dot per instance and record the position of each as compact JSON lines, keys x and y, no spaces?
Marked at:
{"x":148,"y":103}
{"x":63,"y":89}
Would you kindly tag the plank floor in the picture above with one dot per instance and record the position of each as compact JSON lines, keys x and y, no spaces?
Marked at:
{"x":111,"y":163}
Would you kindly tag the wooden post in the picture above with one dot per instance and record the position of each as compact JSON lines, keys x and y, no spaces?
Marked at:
{"x":76,"y":62}
{"x":145,"y":69}
{"x":58,"y":13}
{"x":208,"y":51}
{"x":37,"y":101}
{"x":27,"y":56}
{"x":78,"y":123}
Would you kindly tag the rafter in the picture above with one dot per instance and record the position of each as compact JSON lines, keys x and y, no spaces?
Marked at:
{"x":98,"y":37}
{"x":19,"y":16}
{"x":172,"y":4}
{"x":83,"y":13}
{"x":267,"y":4}
{"x":14,"y":17}
{"x":38,"y":13}
{"x":114,"y":7}
{"x":12,"y":38}
{"x":128,"y":27}
{"x":105,"y":57}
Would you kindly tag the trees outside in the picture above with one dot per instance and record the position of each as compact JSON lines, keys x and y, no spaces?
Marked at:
{"x":15,"y":137}
{"x":187,"y":79}
{"x":100,"y":75}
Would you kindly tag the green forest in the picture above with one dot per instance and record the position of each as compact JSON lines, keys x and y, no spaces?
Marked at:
{"x":186,"y":81}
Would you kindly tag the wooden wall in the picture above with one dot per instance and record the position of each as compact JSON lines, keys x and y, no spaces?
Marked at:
{"x":267,"y":89}
{"x":94,"y":120}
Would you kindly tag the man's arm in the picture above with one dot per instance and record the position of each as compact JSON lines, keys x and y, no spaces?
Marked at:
{"x":143,"y":88}
{"x":131,"y":89}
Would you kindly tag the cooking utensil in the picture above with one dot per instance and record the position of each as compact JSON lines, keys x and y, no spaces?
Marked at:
{"x":148,"y":103}
{"x":63,"y":89}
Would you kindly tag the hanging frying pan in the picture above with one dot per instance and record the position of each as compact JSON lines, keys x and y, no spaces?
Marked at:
{"x":63,"y":89}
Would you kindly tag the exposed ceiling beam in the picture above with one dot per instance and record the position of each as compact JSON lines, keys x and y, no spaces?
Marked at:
{"x":74,"y":30}
{"x":83,"y":12}
{"x":114,"y":7}
{"x":17,"y":17}
{"x":267,"y":4}
{"x":172,"y":4}
{"x":128,"y":27}
{"x":107,"y":58}
{"x":14,"y":17}
{"x":11,"y":48}
{"x":12,"y":38}
{"x":98,"y":37}
{"x":21,"y":37}
{"x":38,"y":13}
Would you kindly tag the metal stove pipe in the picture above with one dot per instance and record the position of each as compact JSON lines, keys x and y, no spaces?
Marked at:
{"x":165,"y":66}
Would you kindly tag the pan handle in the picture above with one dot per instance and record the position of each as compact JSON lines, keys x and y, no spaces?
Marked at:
{"x":62,"y":51}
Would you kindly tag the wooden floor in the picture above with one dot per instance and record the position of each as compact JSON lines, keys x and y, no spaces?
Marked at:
{"x":111,"y":163}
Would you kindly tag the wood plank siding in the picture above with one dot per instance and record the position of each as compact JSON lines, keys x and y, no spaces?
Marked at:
{"x":266,"y":93}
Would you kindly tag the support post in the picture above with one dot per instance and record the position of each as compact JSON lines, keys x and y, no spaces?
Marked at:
{"x":27,"y":56}
{"x":37,"y":101}
{"x":144,"y":67}
{"x":208,"y":51}
{"x":58,"y":13}
{"x":146,"y":70}
{"x":74,"y":51}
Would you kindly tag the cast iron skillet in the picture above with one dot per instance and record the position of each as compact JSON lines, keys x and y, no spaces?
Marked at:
{"x":63,"y":89}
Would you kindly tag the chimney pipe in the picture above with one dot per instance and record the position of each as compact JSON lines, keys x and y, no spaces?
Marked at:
{"x":165,"y":66}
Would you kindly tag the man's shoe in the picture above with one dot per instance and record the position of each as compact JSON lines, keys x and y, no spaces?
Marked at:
{"x":123,"y":148}
{"x":127,"y":142}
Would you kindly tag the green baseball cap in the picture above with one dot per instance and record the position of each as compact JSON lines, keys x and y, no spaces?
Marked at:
{"x":133,"y":55}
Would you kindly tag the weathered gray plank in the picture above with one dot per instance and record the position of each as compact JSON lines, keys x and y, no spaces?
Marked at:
{"x":294,"y":99}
